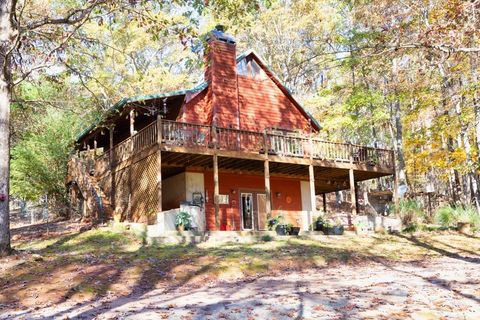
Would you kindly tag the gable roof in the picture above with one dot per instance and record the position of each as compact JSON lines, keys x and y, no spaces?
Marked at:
{"x":280,"y":85}
{"x":117,"y":107}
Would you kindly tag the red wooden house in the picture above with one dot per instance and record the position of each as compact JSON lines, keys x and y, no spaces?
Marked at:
{"x":239,"y":148}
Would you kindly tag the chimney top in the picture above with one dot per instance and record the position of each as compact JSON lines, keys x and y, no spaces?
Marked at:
{"x":219,"y":34}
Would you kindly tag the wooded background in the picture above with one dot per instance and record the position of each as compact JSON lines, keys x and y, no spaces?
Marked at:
{"x":401,"y":75}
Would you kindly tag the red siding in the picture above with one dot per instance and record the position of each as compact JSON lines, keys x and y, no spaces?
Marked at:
{"x":264,"y":105}
{"x":198,"y":110}
{"x":288,"y":204}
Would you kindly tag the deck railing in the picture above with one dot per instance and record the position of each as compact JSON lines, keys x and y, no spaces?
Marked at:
{"x":289,"y":145}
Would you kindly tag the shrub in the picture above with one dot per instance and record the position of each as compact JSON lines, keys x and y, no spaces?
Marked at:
{"x":449,"y":216}
{"x":409,"y":211}
{"x":446,"y":216}
{"x":267,"y":238}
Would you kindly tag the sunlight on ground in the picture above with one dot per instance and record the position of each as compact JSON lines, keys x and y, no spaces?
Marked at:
{"x":82,"y":266}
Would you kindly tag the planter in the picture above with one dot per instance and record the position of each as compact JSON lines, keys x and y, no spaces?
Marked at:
{"x":319,"y":226}
{"x":463,"y":227}
{"x":294,"y":231}
{"x":336,"y":230}
{"x":281,"y":230}
{"x":181,"y":227}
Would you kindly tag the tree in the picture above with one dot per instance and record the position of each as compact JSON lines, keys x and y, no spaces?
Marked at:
{"x":34,"y":36}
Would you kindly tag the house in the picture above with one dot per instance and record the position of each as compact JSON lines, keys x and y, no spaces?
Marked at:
{"x":234,"y":150}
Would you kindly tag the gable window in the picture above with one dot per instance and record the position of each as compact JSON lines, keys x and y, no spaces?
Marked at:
{"x":248,"y":67}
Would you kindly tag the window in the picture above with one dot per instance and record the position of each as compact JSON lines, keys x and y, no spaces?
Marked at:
{"x":248,"y":67}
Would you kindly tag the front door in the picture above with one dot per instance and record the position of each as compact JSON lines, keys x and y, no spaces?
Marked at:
{"x":247,"y":211}
{"x":262,"y":211}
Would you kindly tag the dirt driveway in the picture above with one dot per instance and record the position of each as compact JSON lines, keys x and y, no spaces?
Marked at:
{"x":442,"y":288}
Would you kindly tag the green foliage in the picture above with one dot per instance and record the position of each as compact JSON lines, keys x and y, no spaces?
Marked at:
{"x":410,"y":211}
{"x":449,"y":216}
{"x":39,"y":159}
{"x":183,"y":219}
{"x":446,"y":216}
{"x":267,"y":238}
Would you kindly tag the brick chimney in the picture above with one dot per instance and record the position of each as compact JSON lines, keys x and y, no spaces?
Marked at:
{"x":221,"y":75}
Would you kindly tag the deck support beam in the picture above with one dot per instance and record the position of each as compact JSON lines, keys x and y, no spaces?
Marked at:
{"x":159,"y":164}
{"x":353,"y":199}
{"x":268,"y":193}
{"x":313,"y":202}
{"x":216,"y":192}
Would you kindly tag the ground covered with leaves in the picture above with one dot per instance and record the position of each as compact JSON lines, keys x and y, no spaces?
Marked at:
{"x":63,"y":270}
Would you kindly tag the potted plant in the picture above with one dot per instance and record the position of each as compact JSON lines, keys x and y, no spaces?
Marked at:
{"x":319,"y":224}
{"x":331,"y":228}
{"x":183,"y":221}
{"x":278,"y":224}
{"x":294,"y":231}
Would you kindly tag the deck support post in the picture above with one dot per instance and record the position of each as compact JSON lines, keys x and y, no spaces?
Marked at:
{"x":112,"y":171}
{"x":313,"y":202}
{"x":268,"y":197}
{"x":159,"y":163}
{"x":324,"y":198}
{"x":216,"y":191}
{"x":266,"y":165}
{"x":353,"y":199}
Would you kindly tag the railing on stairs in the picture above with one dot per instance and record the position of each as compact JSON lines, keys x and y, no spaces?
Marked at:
{"x":79,"y":172}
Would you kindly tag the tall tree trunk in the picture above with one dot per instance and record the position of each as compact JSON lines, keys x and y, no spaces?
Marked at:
{"x":5,"y":44}
{"x":400,"y":161}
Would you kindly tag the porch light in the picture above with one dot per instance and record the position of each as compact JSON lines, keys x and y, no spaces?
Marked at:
{"x":278,"y":194}
{"x":233,"y":191}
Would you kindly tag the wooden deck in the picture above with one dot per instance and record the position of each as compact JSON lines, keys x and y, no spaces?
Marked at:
{"x":187,"y":138}
{"x":131,"y":172}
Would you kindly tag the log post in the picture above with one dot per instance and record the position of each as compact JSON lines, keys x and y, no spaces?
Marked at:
{"x":112,"y":169}
{"x":268,"y":194}
{"x":216,"y":192}
{"x":324,"y":198}
{"x":311,"y":174}
{"x":353,"y":199}
{"x":159,"y":162}
{"x":313,"y":203}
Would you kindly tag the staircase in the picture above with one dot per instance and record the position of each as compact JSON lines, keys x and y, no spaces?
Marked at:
{"x":98,"y":205}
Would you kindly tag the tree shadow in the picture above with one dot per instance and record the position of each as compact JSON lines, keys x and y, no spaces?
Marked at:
{"x":414,"y":240}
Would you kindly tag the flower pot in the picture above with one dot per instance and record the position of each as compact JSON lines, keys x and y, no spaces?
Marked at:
{"x":181,"y":227}
{"x":463,"y":227}
{"x":294,"y":231}
{"x":281,"y":230}
{"x":319,"y":226}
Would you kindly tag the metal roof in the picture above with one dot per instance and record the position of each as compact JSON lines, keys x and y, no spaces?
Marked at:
{"x":124,"y":101}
